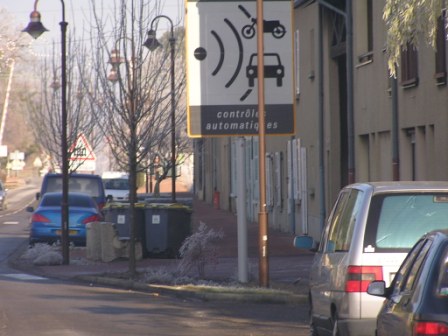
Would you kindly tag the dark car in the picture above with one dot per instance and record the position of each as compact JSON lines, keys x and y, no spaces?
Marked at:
{"x":89,"y":184}
{"x":46,"y":219}
{"x":416,"y":302}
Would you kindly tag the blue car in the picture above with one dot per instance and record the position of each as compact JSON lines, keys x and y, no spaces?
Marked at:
{"x":46,"y":219}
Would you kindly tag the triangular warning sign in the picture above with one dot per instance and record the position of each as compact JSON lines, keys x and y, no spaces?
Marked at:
{"x":81,"y":149}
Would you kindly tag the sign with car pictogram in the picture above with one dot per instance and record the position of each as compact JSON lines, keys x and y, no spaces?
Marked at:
{"x":222,"y":69}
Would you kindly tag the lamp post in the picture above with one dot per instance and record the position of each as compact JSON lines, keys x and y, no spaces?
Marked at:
{"x":35,"y":28}
{"x":151,"y":43}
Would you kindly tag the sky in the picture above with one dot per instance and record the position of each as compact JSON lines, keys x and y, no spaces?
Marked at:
{"x":76,"y":13}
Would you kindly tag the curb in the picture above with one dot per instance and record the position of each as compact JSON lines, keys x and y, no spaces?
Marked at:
{"x":206,"y":293}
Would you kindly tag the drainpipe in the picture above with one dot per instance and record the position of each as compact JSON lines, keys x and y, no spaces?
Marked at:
{"x":350,"y":116}
{"x":395,"y":141}
{"x":321,"y":123}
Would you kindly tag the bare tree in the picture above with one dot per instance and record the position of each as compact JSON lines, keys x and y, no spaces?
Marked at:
{"x":45,"y":108}
{"x":134,"y":111}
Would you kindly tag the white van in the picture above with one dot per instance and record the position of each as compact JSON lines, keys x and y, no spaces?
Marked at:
{"x":116,"y":186}
{"x":370,"y":229}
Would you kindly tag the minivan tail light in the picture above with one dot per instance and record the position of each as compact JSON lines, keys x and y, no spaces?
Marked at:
{"x":430,"y":328}
{"x":359,"y":277}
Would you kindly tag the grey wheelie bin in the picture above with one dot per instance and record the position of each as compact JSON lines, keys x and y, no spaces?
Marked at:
{"x":119,"y":213}
{"x":167,"y":226}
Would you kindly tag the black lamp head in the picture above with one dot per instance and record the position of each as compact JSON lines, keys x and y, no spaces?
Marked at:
{"x":151,"y":42}
{"x":35,"y":28}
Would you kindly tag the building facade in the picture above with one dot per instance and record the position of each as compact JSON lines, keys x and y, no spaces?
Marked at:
{"x":354,"y":121}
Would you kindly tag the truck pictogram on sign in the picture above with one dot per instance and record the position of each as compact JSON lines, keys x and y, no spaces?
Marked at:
{"x":81,"y":149}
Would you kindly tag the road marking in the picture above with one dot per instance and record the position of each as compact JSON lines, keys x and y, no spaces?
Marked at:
{"x":10,"y":223}
{"x":23,"y":276}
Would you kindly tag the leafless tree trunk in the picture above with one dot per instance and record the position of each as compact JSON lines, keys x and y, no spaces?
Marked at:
{"x":134,"y":85}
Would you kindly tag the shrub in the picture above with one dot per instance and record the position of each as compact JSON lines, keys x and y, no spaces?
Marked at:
{"x":199,"y":250}
{"x":43,"y":254}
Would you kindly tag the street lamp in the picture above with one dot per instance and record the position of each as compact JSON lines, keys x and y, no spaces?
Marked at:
{"x":35,"y":28}
{"x":151,"y":43}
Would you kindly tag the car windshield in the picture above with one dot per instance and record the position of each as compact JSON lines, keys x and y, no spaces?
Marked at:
{"x":116,"y":184}
{"x":73,"y":200}
{"x":397,"y":221}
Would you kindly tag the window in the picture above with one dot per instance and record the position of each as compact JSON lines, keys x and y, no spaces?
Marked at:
{"x":343,"y":222}
{"x":416,"y":266}
{"x":365,"y":40}
{"x":400,"y":279}
{"x":409,"y":66}
{"x":395,"y":222}
{"x":440,"y":71}
{"x":442,"y":283}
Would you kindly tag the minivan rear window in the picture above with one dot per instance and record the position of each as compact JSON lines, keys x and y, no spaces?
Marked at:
{"x":88,"y":186}
{"x":396,"y":221}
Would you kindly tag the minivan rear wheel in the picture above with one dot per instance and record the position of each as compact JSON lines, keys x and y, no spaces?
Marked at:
{"x":313,"y":330}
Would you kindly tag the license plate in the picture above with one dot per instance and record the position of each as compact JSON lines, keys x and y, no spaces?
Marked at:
{"x":70,"y":232}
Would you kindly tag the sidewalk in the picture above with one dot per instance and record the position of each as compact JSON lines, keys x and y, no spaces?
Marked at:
{"x":288,"y":266}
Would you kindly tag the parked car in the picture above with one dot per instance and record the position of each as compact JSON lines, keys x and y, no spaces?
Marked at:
{"x":369,"y":232}
{"x":116,"y":186}
{"x":3,"y":193}
{"x":89,"y":184}
{"x":416,"y":302}
{"x":46,"y":219}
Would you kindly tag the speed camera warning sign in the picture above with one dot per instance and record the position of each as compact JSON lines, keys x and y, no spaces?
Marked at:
{"x":222,"y":68}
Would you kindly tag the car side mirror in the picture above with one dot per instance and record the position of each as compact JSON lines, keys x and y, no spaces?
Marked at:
{"x":304,"y":242}
{"x":377,"y":288}
{"x":37,"y":195}
{"x":30,"y":209}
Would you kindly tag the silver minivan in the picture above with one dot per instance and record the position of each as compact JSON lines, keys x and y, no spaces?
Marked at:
{"x":368,"y":233}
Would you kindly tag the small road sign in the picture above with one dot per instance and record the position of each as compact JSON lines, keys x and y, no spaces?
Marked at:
{"x":81,"y":155}
{"x":81,"y":149}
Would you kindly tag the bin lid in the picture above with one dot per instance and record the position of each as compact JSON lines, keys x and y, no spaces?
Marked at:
{"x":122,"y":205}
{"x":174,"y":206}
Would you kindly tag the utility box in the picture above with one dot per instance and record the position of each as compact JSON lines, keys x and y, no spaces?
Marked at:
{"x":166,"y":227}
{"x":104,"y":244}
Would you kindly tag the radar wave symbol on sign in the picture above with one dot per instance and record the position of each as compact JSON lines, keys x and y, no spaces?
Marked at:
{"x":200,"y":54}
